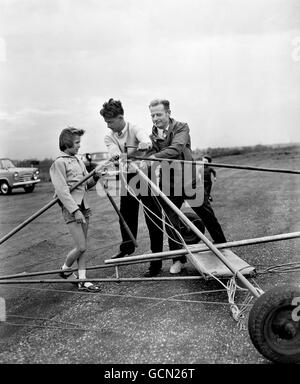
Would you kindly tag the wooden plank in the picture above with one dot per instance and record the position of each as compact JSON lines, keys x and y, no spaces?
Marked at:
{"x":208,"y":263}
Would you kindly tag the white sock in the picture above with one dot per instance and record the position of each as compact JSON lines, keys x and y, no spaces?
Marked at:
{"x":82,"y":275}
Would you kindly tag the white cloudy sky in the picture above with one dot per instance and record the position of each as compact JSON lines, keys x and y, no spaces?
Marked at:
{"x":231,"y":69}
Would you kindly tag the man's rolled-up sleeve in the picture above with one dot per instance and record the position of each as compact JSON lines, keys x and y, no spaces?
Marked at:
{"x":113,"y":148}
{"x":142,"y":136}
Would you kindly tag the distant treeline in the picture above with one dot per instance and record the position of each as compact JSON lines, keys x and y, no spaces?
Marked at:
{"x":44,"y":165}
{"x":231,"y":151}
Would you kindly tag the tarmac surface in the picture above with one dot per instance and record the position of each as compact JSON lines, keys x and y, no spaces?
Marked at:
{"x":175,"y":322}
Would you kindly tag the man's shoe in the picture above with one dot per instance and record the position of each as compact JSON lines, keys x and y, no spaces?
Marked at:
{"x":152,"y":272}
{"x":119,"y":255}
{"x":176,"y":267}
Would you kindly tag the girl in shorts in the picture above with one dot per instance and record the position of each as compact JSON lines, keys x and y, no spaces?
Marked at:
{"x":66,"y":170}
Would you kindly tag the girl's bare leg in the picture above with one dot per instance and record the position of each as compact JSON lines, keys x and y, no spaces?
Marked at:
{"x":82,"y":258}
{"x":79,"y":235}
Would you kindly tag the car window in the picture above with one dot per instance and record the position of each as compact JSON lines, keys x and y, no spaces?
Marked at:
{"x":99,"y":156}
{"x":5,"y":163}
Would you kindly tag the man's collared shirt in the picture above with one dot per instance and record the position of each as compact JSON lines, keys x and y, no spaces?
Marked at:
{"x":120,"y":136}
{"x":162,"y":132}
{"x":132,"y":135}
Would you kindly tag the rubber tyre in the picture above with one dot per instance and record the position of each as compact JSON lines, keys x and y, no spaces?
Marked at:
{"x":29,"y":189}
{"x":274,"y":324}
{"x":5,"y":189}
{"x":189,"y":236}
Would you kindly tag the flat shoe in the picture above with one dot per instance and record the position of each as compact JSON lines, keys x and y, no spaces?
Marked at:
{"x":91,"y":288}
{"x":176,"y":267}
{"x":65,"y":274}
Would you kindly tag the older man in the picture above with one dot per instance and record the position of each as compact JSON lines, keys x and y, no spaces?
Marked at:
{"x":171,"y":140}
{"x":124,"y":132}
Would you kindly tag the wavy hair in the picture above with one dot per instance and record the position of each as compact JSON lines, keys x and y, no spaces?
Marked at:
{"x":66,"y":137}
{"x":164,"y":102}
{"x":112,"y":108}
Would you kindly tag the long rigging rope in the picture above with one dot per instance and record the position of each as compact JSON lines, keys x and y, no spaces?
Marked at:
{"x":239,"y":314}
{"x":182,"y":243}
{"x":283,"y":268}
{"x":230,"y":288}
{"x":80,"y":327}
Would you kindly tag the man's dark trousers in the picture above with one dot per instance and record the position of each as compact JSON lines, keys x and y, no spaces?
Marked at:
{"x":207,"y":215}
{"x":129,"y":208}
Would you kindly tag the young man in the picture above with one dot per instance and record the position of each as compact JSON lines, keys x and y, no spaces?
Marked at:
{"x":123,"y":132}
{"x":171,"y":140}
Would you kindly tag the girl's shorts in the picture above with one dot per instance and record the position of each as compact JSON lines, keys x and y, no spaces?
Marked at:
{"x":70,"y":217}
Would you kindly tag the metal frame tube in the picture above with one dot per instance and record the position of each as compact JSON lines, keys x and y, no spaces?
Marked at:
{"x":228,"y":264}
{"x":202,"y":248}
{"x":246,"y":167}
{"x":49,"y":205}
{"x":125,"y":225}
{"x":42,"y":210}
{"x":108,"y":279}
{"x":137,"y":259}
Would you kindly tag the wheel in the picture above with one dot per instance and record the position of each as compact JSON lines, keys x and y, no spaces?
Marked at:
{"x":5,"y":188}
{"x":189,"y":236}
{"x":29,"y":189}
{"x":274,"y":324}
